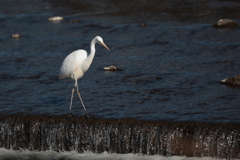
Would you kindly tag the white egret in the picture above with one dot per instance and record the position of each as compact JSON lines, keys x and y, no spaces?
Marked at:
{"x":77,"y":63}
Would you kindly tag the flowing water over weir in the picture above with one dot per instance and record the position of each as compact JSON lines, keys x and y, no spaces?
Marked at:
{"x":120,"y":136}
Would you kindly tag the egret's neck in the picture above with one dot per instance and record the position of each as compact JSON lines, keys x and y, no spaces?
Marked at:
{"x":90,"y":57}
{"x":92,"y":50}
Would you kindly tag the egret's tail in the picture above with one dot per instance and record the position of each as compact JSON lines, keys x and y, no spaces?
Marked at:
{"x":62,"y":75}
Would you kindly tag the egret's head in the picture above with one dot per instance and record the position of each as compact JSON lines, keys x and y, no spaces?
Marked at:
{"x":100,"y":41}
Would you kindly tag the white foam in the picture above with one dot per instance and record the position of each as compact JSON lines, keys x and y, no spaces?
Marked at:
{"x":73,"y":155}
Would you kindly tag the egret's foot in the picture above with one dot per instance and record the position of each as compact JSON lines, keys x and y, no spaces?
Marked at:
{"x":87,"y":115}
{"x":69,"y":115}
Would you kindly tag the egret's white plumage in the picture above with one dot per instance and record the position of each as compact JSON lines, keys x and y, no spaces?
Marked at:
{"x":73,"y":65}
{"x":77,"y":63}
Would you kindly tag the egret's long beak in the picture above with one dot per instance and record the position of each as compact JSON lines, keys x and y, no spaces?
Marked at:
{"x":105,"y":45}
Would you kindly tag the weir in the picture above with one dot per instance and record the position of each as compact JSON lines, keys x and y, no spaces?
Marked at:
{"x":59,"y":133}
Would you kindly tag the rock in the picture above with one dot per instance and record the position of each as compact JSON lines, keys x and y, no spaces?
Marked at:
{"x":56,"y":18}
{"x":112,"y":68}
{"x":231,"y":81}
{"x":225,"y":23}
{"x":16,"y":35}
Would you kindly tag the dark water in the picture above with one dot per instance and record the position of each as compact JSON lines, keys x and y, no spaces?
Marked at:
{"x":172,"y":59}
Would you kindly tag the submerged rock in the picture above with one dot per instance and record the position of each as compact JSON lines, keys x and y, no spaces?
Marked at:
{"x":142,"y":24}
{"x":56,"y":18}
{"x":74,"y":21}
{"x":231,"y":81}
{"x":16,"y":35}
{"x":112,"y":68}
{"x":225,"y":23}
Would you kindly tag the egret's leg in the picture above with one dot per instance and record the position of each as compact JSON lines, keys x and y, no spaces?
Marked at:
{"x":81,"y":100}
{"x":71,"y":100}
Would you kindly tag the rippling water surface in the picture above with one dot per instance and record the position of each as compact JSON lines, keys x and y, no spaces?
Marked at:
{"x":172,"y":59}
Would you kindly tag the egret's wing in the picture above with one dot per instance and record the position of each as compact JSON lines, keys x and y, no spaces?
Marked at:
{"x":71,"y":63}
